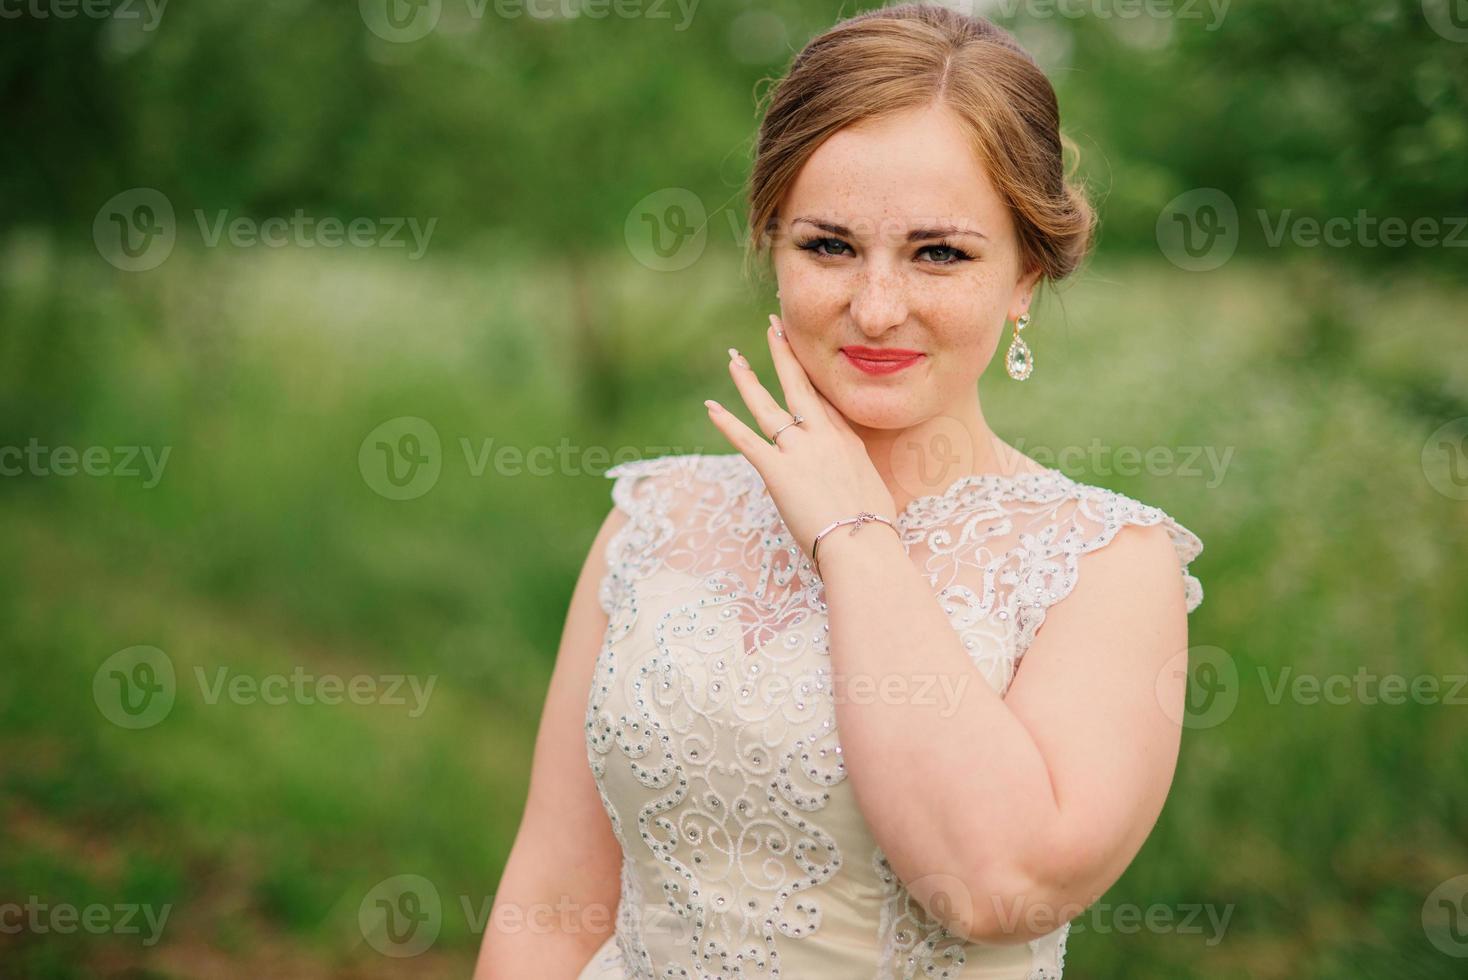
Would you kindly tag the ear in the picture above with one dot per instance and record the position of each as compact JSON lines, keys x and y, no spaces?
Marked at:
{"x":1024,"y":293}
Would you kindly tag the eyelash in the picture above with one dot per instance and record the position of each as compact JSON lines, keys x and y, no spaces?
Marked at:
{"x":813,"y":245}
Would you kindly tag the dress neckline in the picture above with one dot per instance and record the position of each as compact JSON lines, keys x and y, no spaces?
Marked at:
{"x":1024,"y":483}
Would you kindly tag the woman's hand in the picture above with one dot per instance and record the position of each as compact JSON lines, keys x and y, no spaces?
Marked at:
{"x":817,"y":471}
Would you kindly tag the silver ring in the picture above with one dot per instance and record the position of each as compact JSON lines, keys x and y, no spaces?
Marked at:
{"x":795,"y":421}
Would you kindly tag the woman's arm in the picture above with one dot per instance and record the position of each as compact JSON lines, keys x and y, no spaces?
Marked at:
{"x":1007,"y":817}
{"x":557,"y":900}
{"x":1004,"y":816}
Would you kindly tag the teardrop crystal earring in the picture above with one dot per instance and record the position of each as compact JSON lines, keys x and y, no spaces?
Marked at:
{"x":1018,"y":360}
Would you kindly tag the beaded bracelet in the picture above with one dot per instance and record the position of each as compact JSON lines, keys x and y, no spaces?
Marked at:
{"x":864,"y":517}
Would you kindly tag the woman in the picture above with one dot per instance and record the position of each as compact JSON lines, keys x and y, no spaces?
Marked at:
{"x":793,"y":668}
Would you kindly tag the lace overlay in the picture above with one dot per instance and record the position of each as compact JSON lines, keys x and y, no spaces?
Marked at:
{"x":710,"y":723}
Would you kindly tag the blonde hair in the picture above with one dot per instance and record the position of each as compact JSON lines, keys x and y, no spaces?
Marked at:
{"x":910,"y":56}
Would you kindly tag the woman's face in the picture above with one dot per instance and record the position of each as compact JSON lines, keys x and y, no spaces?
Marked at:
{"x":893,"y":238}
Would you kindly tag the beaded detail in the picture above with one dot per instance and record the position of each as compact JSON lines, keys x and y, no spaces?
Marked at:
{"x":710,"y":722}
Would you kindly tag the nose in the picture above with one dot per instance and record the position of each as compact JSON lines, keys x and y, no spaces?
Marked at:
{"x":879,"y":302}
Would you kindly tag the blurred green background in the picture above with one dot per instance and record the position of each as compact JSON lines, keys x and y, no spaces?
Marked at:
{"x":1276,"y":310}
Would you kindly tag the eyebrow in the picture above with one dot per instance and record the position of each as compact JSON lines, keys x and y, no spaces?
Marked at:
{"x":915,"y":235}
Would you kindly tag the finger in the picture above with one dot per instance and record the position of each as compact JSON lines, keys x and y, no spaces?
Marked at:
{"x":832,"y":414}
{"x":740,"y":436}
{"x":795,"y":384}
{"x":768,"y":414}
{"x":806,"y":393}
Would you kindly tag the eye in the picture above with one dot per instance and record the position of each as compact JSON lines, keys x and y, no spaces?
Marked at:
{"x":830,"y":248}
{"x":958,"y":255}
{"x":815,"y":245}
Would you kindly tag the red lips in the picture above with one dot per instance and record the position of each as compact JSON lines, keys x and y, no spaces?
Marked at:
{"x":880,"y":360}
{"x":881,"y":353}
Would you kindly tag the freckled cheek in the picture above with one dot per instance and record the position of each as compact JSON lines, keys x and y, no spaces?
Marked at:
{"x":957,"y":313}
{"x":957,"y":343}
{"x":813,"y":306}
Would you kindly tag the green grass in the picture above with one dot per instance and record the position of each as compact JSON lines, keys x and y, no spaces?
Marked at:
{"x":264,"y":549}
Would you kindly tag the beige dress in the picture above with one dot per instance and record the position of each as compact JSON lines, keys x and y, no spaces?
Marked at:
{"x":744,"y":853}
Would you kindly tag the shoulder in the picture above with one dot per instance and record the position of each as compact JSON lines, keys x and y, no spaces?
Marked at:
{"x":663,"y":499}
{"x":661,"y":481}
{"x":1121,"y":557}
{"x":1135,"y":539}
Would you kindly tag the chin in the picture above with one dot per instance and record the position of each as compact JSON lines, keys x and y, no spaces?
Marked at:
{"x":878,"y":411}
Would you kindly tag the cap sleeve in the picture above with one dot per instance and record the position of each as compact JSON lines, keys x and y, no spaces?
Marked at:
{"x":1096,"y":518}
{"x":643,"y":490}
{"x":1188,"y":546}
{"x":637,"y":481}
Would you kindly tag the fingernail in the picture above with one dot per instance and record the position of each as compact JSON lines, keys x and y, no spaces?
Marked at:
{"x":737,"y":358}
{"x":711,"y":405}
{"x":775,"y":325}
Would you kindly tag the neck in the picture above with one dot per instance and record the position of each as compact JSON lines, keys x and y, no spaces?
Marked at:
{"x":926,"y":458}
